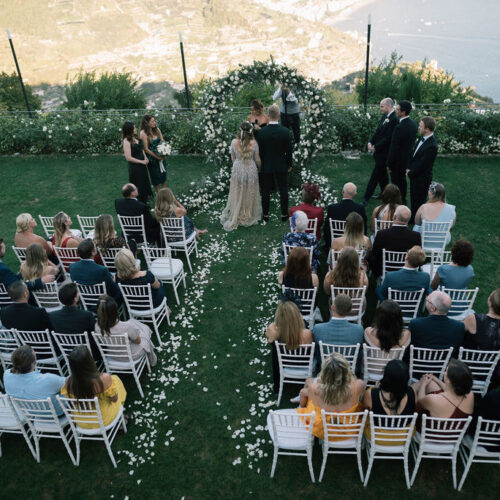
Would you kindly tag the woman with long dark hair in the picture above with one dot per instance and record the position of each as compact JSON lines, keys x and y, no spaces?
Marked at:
{"x":151,"y":137}
{"x":298,"y":272}
{"x":347,"y":272}
{"x":391,"y":199}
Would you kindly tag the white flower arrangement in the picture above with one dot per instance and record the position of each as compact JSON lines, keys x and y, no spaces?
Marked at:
{"x":164,"y":149}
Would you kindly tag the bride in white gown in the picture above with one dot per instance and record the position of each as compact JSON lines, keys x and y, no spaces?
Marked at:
{"x":243,"y":206}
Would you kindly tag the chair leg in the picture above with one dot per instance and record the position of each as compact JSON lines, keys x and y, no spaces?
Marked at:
{"x":417,"y":465}
{"x":360,"y":463}
{"x":110,"y":451}
{"x":454,"y":469}
{"x":189,"y":261}
{"x":29,"y":443}
{"x":174,"y":286}
{"x":68,"y":447}
{"x":371,"y":458}
{"x":275,"y":459}
{"x":406,"y":464}
{"x":139,"y":386}
{"x":323,"y":465}
{"x":124,"y":424}
{"x":280,"y":393}
{"x":309,"y":461}
{"x":157,"y":332}
{"x":466,"y":469}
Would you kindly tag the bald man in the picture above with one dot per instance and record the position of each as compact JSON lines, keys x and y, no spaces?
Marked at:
{"x":340,"y":211}
{"x":397,"y":238}
{"x":379,"y":145}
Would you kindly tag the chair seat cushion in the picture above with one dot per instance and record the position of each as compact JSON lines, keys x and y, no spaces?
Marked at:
{"x":296,"y":372}
{"x":290,"y":443}
{"x":148,"y":312}
{"x":43,"y":425}
{"x":180,"y":243}
{"x":161,"y":268}
{"x":433,"y":446}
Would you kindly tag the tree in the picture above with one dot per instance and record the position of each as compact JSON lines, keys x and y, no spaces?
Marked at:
{"x":11,"y":94}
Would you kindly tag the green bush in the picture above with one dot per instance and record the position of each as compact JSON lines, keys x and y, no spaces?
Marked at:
{"x":11,"y":94}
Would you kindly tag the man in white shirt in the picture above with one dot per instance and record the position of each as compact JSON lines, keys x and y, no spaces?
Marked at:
{"x":289,"y":111}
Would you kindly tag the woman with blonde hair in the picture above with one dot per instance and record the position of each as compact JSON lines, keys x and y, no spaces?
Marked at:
{"x":25,"y":236}
{"x":63,"y":236}
{"x":151,"y":137}
{"x":105,"y":237}
{"x":354,"y":234}
{"x":347,"y":272}
{"x":258,"y":118}
{"x":37,"y":265}
{"x":243,"y":206}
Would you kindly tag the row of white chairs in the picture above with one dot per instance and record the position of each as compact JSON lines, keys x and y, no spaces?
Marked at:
{"x":388,"y":437}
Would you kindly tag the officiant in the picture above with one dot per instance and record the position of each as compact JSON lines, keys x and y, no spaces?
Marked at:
{"x":289,"y":110}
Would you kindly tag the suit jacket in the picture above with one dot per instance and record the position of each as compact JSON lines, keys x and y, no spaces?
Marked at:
{"x":132,"y":207}
{"x":403,"y":140}
{"x":422,"y":161}
{"x":381,"y":139}
{"x":24,"y":316}
{"x":87,"y":272}
{"x":436,"y":332}
{"x":275,"y":149}
{"x":72,"y":320}
{"x":404,"y":279}
{"x":396,"y":239}
{"x":340,"y":211}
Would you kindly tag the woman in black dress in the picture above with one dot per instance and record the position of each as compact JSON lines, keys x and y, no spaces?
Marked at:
{"x":137,"y":161}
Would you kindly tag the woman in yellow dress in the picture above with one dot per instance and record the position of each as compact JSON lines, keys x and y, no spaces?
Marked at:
{"x":85,"y":382}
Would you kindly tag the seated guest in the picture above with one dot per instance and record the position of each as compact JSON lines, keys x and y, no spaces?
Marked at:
{"x":338,"y":330}
{"x":436,"y":209}
{"x":288,"y":328}
{"x":408,"y":277}
{"x":139,"y":334}
{"x":22,"y":315}
{"x":298,"y":272}
{"x":347,"y":272}
{"x":310,"y":193}
{"x":85,"y":382}
{"x":483,"y":330}
{"x":167,"y":206}
{"x":340,"y":211}
{"x":24,"y":381}
{"x":452,"y":398}
{"x":391,"y":199}
{"x":387,"y":331}
{"x":87,"y":272}
{"x":459,"y":273}
{"x":353,"y":234}
{"x":129,"y":205}
{"x":397,"y":238}
{"x":105,"y":237}
{"x":128,"y":273}
{"x":37,"y":264}
{"x":336,"y":389}
{"x":25,"y":236}
{"x":437,"y":331}
{"x":63,"y":237}
{"x":300,"y":238}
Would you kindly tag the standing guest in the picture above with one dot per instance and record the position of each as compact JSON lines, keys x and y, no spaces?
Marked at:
{"x":37,"y":265}
{"x":347,"y":272}
{"x":310,"y":193}
{"x":63,"y":236}
{"x":105,"y":237}
{"x":298,"y":272}
{"x":25,"y":236}
{"x":391,"y":199}
{"x":483,"y":330}
{"x":420,"y":169}
{"x":354,"y":234}
{"x":340,"y":211}
{"x":133,"y":149}
{"x":379,"y":145}
{"x":459,"y":273}
{"x":289,"y":111}
{"x":403,"y":139}
{"x":151,"y":137}
{"x":258,"y":117}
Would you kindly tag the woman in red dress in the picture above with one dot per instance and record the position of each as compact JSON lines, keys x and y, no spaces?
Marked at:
{"x":310,"y":193}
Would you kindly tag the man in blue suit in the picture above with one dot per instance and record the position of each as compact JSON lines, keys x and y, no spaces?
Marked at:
{"x":87,"y":272}
{"x":408,"y":278}
{"x":338,"y":330}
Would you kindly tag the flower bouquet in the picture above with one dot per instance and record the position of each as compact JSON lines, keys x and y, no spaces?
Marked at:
{"x":164,"y":149}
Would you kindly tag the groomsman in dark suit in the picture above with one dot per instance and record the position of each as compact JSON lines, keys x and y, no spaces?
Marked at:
{"x":403,"y":140}
{"x":275,"y":149}
{"x":379,"y":145}
{"x":421,"y":163}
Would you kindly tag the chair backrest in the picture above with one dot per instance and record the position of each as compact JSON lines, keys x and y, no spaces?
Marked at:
{"x":434,"y":234}
{"x":438,"y":258}
{"x":299,"y":359}
{"x":67,"y":342}
{"x":173,"y":229}
{"x":8,"y":344}
{"x":311,"y":226}
{"x":461,"y":300}
{"x":342,"y":426}
{"x":307,"y":298}
{"x":291,"y":426}
{"x":20,"y":253}
{"x":47,"y":224}
{"x":392,"y":261}
{"x":482,"y":365}
{"x":350,"y":352}
{"x":409,"y":301}
{"x":333,"y":256}
{"x":392,"y":430}
{"x":375,"y":359}
{"x":137,"y":297}
{"x":9,"y":417}
{"x":89,"y":295}
{"x":116,"y":347}
{"x":39,"y":340}
{"x":132,"y":226}
{"x":382,"y":224}
{"x":48,"y":296}
{"x":87,"y":224}
{"x":337,"y":228}
{"x":444,"y":431}
{"x":153,"y":253}
{"x":108,"y":258}
{"x":5,"y":299}
{"x":288,"y":248}
{"x":423,"y":360}
{"x":487,"y":434}
{"x":40,"y":412}
{"x":67,"y":256}
{"x":357,"y":295}
{"x":84,"y":412}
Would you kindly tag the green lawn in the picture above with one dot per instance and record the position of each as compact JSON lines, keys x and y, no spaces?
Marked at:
{"x":209,"y":395}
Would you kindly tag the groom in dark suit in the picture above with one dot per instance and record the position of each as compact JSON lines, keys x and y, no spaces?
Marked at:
{"x":275,"y":149}
{"x":421,"y":163}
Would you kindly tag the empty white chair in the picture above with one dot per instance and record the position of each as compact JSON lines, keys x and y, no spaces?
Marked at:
{"x":409,"y":302}
{"x":45,"y":423}
{"x":165,"y":268}
{"x":307,"y":302}
{"x":87,"y":412}
{"x":462,"y":300}
{"x":8,"y":344}
{"x":392,"y":261}
{"x":311,"y":226}
{"x":423,"y":360}
{"x":375,"y":359}
{"x":20,"y":253}
{"x":47,"y":224}
{"x":139,"y":301}
{"x":67,"y":342}
{"x":89,"y":295}
{"x":174,"y":231}
{"x":343,"y":436}
{"x":438,"y":258}
{"x":292,"y":433}
{"x":48,"y":297}
{"x":66,"y":257}
{"x":5,"y":299}
{"x":288,"y":248}
{"x":87,"y":224}
{"x":389,"y":439}
{"x":337,"y":228}
{"x":350,"y":352}
{"x":439,"y":438}
{"x":482,"y":365}
{"x":475,"y":449}
{"x":295,"y":366}
{"x":133,"y":228}
{"x":435,"y":235}
{"x":357,"y":296}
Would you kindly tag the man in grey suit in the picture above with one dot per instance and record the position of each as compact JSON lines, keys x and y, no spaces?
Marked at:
{"x":338,"y":330}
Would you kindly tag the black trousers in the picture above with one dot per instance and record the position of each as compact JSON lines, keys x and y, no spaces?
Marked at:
{"x":418,"y":195}
{"x":379,"y":176}
{"x":292,"y":122}
{"x":266,"y":185}
{"x":398,"y":178}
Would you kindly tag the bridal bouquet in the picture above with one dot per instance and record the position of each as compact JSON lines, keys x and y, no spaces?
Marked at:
{"x":164,"y":149}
